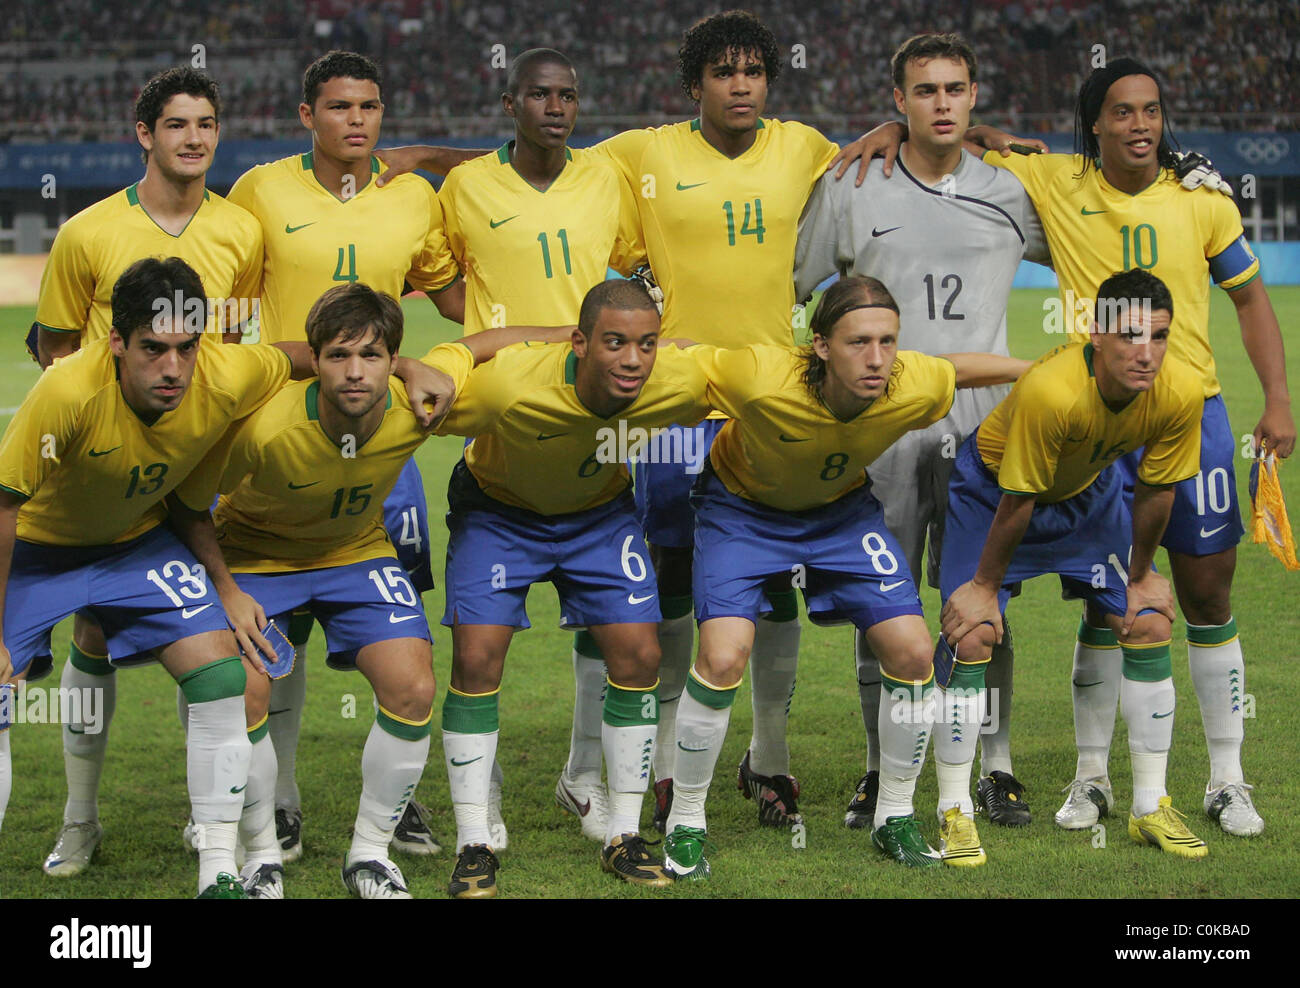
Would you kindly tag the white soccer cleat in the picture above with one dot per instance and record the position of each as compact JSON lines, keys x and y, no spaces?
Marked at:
{"x":588,"y":801}
{"x":1088,"y":801}
{"x":262,"y":881}
{"x":1231,"y":807}
{"x":496,"y":824}
{"x":377,"y":878}
{"x":73,"y":850}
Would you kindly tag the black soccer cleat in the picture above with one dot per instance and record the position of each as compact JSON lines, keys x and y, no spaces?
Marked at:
{"x":663,"y":790}
{"x":1002,"y":799}
{"x":861,"y":812}
{"x":775,"y":795}
{"x":475,"y":875}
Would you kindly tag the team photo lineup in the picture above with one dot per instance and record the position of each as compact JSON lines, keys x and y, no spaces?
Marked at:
{"x":746,"y":397}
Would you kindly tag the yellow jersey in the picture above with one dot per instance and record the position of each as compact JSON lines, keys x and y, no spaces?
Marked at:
{"x":720,"y":232}
{"x":222,"y":243}
{"x":529,"y":256}
{"x":1094,"y":230}
{"x":785,"y":449}
{"x":538,"y":447}
{"x":93,"y":473}
{"x":1055,"y":433}
{"x":293,"y":500}
{"x":314,"y":240}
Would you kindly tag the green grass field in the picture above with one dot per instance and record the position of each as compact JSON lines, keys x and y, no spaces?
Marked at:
{"x":144,"y":803}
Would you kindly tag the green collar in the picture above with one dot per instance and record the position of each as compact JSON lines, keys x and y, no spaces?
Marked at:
{"x":695,"y":124}
{"x":307,"y":165}
{"x":1087,"y":358}
{"x":133,"y":199}
{"x":571,"y":368}
{"x":503,"y":156}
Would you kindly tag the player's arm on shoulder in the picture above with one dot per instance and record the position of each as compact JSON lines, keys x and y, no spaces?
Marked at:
{"x":731,"y":375}
{"x":40,"y":433}
{"x":818,"y":251}
{"x":435,"y":159}
{"x":1262,"y":338}
{"x":982,"y":370}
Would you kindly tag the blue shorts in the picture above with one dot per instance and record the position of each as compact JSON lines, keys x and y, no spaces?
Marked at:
{"x":849,"y":564}
{"x":663,"y":490}
{"x":406,"y":516}
{"x":1206,"y":516}
{"x":357,"y":605}
{"x":597,"y":560}
{"x":145,"y":594}
{"x":1084,"y":539}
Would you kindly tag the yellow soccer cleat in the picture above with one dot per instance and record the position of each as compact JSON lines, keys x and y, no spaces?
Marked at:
{"x":959,"y":841}
{"x":1165,"y":829}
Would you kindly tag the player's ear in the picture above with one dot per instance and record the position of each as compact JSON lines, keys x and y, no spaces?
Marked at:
{"x":579,"y":343}
{"x":305,"y":116}
{"x":508,"y":104}
{"x":315,"y":364}
{"x":974,"y":92}
{"x":115,"y":341}
{"x":898,"y":101}
{"x":143,"y":135}
{"x":821,"y":346}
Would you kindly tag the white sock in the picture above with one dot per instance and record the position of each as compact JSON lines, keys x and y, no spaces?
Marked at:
{"x":773,"y":662}
{"x":1148,"y":711}
{"x":6,"y":774}
{"x":869,"y":697}
{"x":585,"y":735}
{"x":391,"y":767}
{"x":957,"y":721}
{"x":469,"y":759}
{"x":995,"y":745}
{"x":83,"y":752}
{"x":904,"y":726}
{"x":1219,"y":675}
{"x":676,"y":645}
{"x":217,"y":756}
{"x":1095,"y":686}
{"x":288,"y":697}
{"x":627,"y":758}
{"x":257,"y":822}
{"x":701,"y":729}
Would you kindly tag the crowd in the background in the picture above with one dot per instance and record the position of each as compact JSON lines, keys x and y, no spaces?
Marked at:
{"x":70,"y":69}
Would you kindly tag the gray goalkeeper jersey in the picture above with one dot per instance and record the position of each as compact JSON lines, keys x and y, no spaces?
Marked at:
{"x":946,"y":253}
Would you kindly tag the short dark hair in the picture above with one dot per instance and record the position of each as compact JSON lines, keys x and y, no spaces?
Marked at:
{"x":351,"y":310}
{"x":1087,"y":109}
{"x":151,"y":287}
{"x":732,"y":30}
{"x":845,"y":295}
{"x":334,"y":65}
{"x":1120,"y":290}
{"x":923,"y":47}
{"x":527,"y":60}
{"x":615,"y":293}
{"x":162,"y":87}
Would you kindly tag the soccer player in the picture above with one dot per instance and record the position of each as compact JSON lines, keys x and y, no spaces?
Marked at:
{"x":534,"y":225}
{"x":326,"y":222}
{"x":1035,"y":490}
{"x":1114,"y":205}
{"x":952,"y":292}
{"x":101,"y":440}
{"x":785,"y":491}
{"x":300,"y":524}
{"x":543,"y":494}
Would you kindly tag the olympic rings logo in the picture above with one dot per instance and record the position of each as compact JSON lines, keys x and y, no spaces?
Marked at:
{"x":1263,"y":150}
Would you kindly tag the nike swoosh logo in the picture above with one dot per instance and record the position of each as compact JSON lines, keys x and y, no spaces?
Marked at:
{"x":891,"y":586}
{"x":240,"y":789}
{"x":1084,"y":686}
{"x":554,"y":435}
{"x":583,"y":808}
{"x":394,"y":619}
{"x":1159,"y":716}
{"x":103,"y":452}
{"x":792,"y":439}
{"x":694,"y":185}
{"x":496,"y":223}
{"x":189,"y":612}
{"x":684,"y":748}
{"x":1206,"y":535}
{"x":1085,"y":211}
{"x":468,"y":761}
{"x":881,"y":233}
{"x":298,"y":487}
{"x":295,"y":229}
{"x":634,"y":599}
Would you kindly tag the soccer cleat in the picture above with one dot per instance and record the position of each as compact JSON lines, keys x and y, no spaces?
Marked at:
{"x":1231,"y":807}
{"x":496,"y":824}
{"x":627,"y":857}
{"x":187,"y":836}
{"x":684,"y":852}
{"x":861,"y":813}
{"x":1165,"y":829}
{"x":587,"y":801}
{"x":475,"y":874}
{"x":663,"y":804}
{"x":227,"y":886}
{"x":377,"y":878}
{"x":775,"y":795}
{"x":959,"y":841}
{"x":288,"y":831}
{"x":1088,"y":801}
{"x":412,"y":835}
{"x":262,"y":881}
{"x":900,"y":838}
{"x":73,"y":849}
{"x":999,"y":795}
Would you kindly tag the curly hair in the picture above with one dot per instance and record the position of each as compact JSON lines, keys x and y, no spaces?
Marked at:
{"x":731,"y":31}
{"x":161,"y":88}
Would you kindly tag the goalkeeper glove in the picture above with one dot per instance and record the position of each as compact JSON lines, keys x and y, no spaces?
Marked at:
{"x":1195,"y":169}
